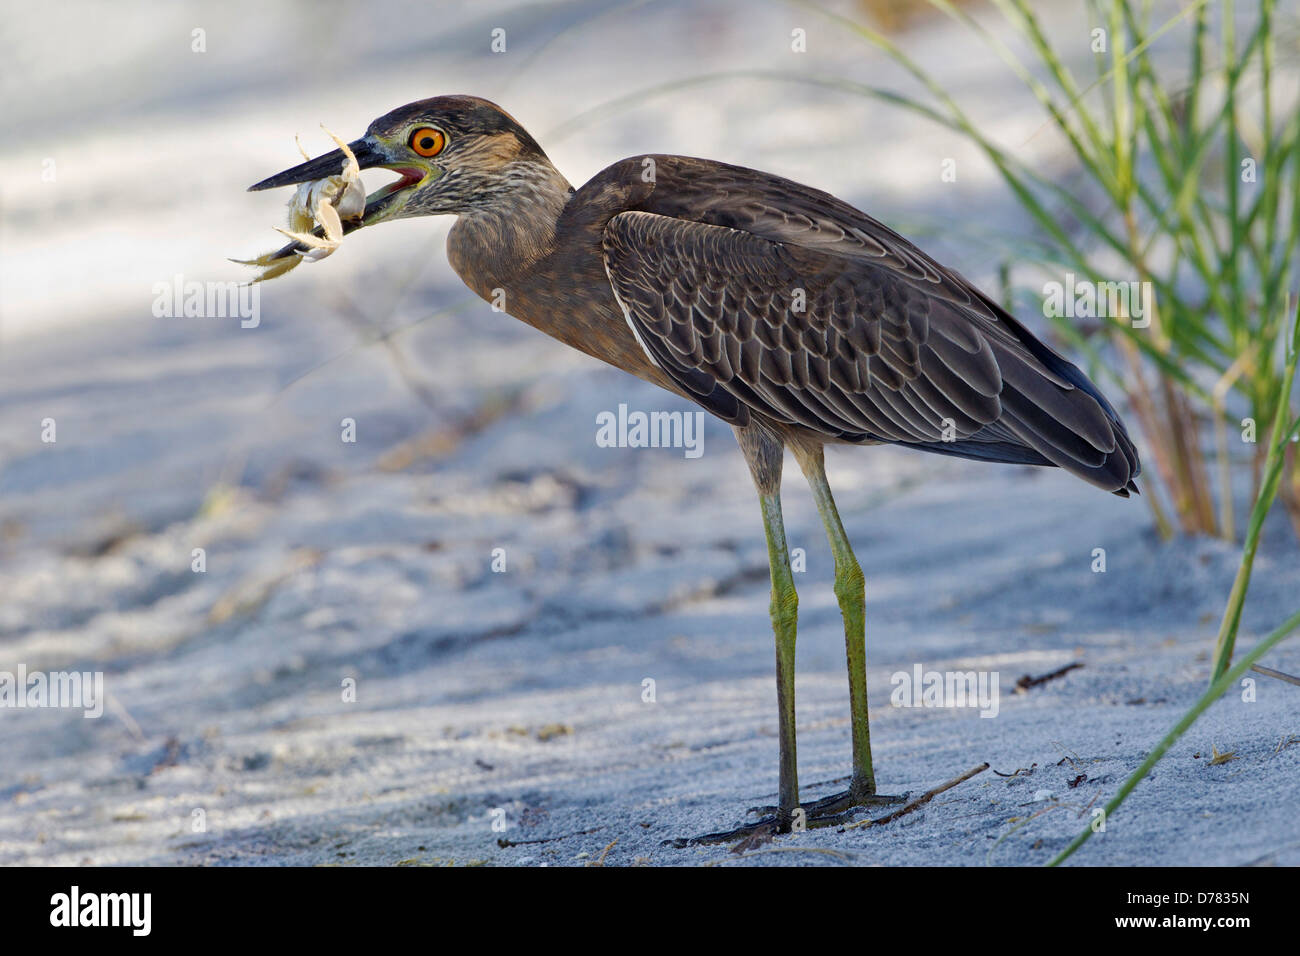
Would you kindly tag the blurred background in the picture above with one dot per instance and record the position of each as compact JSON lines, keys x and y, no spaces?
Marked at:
{"x":127,"y":163}
{"x":129,"y":137}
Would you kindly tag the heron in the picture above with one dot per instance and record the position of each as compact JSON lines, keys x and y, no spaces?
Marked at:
{"x":789,"y":314}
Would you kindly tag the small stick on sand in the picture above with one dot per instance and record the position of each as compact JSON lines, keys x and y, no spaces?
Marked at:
{"x":504,"y":843}
{"x":1269,"y":672}
{"x":921,"y":800}
{"x":1026,"y":682}
{"x":124,"y":715}
{"x":601,"y":861}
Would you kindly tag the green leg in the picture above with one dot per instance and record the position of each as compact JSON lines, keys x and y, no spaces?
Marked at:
{"x":763,"y":453}
{"x":851,"y":593}
{"x":785,"y":615}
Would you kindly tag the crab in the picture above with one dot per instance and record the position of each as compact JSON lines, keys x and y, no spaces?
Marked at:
{"x":324,"y":203}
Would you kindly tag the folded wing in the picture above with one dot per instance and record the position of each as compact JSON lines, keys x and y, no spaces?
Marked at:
{"x":821,"y":317}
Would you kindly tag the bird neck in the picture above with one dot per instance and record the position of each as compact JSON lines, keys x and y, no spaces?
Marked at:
{"x":511,"y":226}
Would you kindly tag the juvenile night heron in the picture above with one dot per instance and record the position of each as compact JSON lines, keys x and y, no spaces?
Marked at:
{"x":782,"y":310}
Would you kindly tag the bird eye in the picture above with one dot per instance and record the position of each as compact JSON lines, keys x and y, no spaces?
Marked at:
{"x":428,"y":141}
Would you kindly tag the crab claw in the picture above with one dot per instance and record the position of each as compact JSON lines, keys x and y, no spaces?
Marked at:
{"x":317,"y":249}
{"x":330,"y":201}
{"x":351,"y":202}
{"x":270,"y":265}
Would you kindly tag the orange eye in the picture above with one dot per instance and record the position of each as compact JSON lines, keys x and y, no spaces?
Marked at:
{"x":427,"y":141}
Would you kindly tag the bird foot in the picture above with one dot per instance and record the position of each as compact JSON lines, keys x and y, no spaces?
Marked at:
{"x":834,"y":810}
{"x":760,"y":832}
{"x":837,"y":808}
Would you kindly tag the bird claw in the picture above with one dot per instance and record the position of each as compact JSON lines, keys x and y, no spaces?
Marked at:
{"x":834,"y":810}
{"x":761,"y":831}
{"x":838,"y":804}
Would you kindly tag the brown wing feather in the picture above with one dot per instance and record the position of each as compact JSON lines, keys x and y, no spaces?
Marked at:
{"x":790,"y":303}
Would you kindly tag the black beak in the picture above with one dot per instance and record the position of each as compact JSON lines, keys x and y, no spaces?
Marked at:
{"x":330,"y":164}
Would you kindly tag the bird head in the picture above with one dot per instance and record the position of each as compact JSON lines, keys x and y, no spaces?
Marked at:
{"x":454,"y":154}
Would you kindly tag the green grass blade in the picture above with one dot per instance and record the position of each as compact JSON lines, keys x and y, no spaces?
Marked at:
{"x":1216,"y":690}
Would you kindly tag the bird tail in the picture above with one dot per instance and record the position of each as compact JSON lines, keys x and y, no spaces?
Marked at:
{"x":1064,"y":417}
{"x":1052,"y":414}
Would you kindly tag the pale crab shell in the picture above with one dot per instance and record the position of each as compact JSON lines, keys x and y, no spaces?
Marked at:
{"x":327,"y":202}
{"x":324,"y":202}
